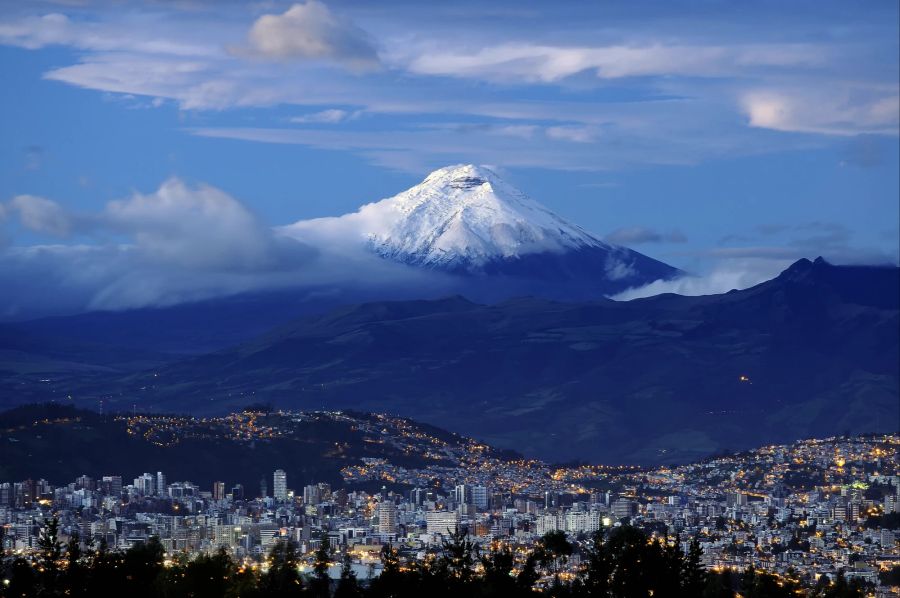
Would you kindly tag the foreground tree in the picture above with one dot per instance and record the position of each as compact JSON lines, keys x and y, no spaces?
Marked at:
{"x":623,"y":563}
{"x":142,"y":565}
{"x":757,"y":584}
{"x":348,"y":586}
{"x":390,"y":583}
{"x":50,"y":551}
{"x":839,"y":588}
{"x":282,"y":580}
{"x":498,"y":567}
{"x":320,"y":584}
{"x":458,"y":560}
{"x":203,"y":577}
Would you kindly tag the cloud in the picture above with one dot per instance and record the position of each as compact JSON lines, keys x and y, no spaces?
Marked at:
{"x":644,"y":92}
{"x":838,"y":109}
{"x":744,"y":267}
{"x":577,"y":134}
{"x":332,"y":116}
{"x":734,"y":273}
{"x":517,"y":130}
{"x":636,"y":235}
{"x":179,"y":243}
{"x":524,"y":130}
{"x":42,"y":215}
{"x":433,"y":145}
{"x":311,"y":31}
{"x":531,"y":63}
{"x":199,"y":227}
{"x":767,"y":251}
{"x":831,"y":240}
{"x":35,"y":32}
{"x":196,"y":84}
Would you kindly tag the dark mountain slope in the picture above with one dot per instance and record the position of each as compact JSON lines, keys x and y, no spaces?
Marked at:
{"x":814,"y":351}
{"x":60,"y":442}
{"x":811,"y":352}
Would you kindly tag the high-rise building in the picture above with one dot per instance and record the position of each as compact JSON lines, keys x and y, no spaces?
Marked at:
{"x":279,"y":485}
{"x":145,"y":484}
{"x":160,"y":483}
{"x":387,"y":517}
{"x":624,"y":508}
{"x":237,"y":492}
{"x":549,"y":522}
{"x":736,"y":499}
{"x":441,"y":522}
{"x":311,"y":494}
{"x":42,"y":488}
{"x":462,"y":494}
{"x":85,"y":482}
{"x":316,"y":493}
{"x":218,"y":491}
{"x":839,"y":512}
{"x":26,"y":494}
{"x":112,"y":485}
{"x":480,"y":497}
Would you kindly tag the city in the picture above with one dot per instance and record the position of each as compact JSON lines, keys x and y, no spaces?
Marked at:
{"x":807,"y":510}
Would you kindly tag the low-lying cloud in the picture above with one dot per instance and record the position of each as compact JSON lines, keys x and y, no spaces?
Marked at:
{"x":41,"y":215}
{"x":728,"y":274}
{"x":747,"y":259}
{"x":179,"y":243}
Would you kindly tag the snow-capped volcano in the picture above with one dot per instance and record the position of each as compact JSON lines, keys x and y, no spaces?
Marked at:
{"x":465,"y":219}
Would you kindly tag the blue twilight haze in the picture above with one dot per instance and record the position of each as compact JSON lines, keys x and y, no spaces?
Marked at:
{"x":149,"y":149}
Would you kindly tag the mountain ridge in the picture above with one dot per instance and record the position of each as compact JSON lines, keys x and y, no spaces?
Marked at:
{"x":662,"y":379}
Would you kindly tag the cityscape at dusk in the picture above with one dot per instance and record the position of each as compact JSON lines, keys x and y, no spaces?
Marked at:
{"x":396,"y":299}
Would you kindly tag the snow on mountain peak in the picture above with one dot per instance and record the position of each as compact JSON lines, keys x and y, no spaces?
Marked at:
{"x":465,"y":216}
{"x":459,"y":218}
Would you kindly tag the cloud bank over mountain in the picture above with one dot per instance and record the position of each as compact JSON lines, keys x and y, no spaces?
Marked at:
{"x":179,"y":243}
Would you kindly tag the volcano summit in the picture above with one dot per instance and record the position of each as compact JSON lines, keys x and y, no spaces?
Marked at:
{"x":465,"y":220}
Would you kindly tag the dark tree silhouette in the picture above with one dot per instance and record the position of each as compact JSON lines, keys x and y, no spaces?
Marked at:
{"x":282,"y":580}
{"x":348,"y":586}
{"x":320,"y":584}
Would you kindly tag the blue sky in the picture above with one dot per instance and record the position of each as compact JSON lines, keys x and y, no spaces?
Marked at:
{"x":724,"y":138}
